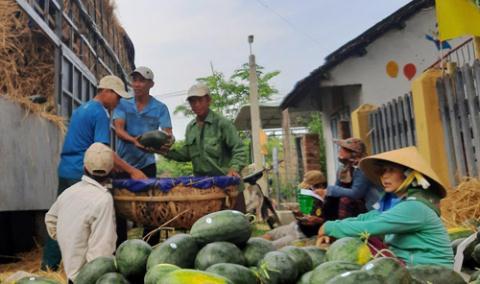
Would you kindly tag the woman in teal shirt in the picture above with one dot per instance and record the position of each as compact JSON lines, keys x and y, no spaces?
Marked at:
{"x":412,"y":229}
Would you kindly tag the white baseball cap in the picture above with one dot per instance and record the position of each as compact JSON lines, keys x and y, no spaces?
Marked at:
{"x":115,"y":84}
{"x":146,"y":72}
{"x":198,"y":90}
{"x":98,"y":160}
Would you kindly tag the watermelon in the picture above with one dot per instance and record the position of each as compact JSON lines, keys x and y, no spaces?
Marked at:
{"x":277,"y":268}
{"x":179,"y":250}
{"x":131,"y":258}
{"x":218,"y":252}
{"x":154,"y":139}
{"x":435,"y":274}
{"x":350,"y":250}
{"x":238,"y":274}
{"x":475,"y":275}
{"x":190,"y":276}
{"x":476,"y":253}
{"x":316,"y":254}
{"x":328,"y":270}
{"x":300,"y":257}
{"x":36,"y":280}
{"x":159,"y":271}
{"x":459,"y":232}
{"x":305,"y":279}
{"x":93,"y":270}
{"x":255,"y":250}
{"x":226,"y":225}
{"x":389,"y":268}
{"x":357,"y":277}
{"x":112,"y":278}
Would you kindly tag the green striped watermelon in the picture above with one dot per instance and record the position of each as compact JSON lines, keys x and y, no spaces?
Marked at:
{"x":350,"y":250}
{"x":389,"y":268}
{"x":218,"y":252}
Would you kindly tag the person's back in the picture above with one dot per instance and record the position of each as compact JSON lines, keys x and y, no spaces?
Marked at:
{"x":89,"y":123}
{"x":80,"y":228}
{"x":82,"y":219}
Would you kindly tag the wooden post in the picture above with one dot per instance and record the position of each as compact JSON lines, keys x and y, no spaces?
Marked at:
{"x":476,"y":45}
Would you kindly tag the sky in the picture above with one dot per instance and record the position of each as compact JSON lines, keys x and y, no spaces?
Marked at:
{"x":181,"y":40}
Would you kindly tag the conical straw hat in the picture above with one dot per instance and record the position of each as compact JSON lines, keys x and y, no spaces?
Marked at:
{"x":408,"y":157}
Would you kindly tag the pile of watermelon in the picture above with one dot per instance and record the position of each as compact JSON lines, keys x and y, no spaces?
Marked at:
{"x":220,"y":249}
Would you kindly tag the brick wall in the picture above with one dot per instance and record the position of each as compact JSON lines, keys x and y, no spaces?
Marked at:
{"x":310,"y":152}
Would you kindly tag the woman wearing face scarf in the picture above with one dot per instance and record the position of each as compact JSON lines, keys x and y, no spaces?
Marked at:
{"x":352,"y":193}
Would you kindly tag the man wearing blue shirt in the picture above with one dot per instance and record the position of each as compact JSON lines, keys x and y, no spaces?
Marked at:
{"x":89,"y":123}
{"x":137,"y":115}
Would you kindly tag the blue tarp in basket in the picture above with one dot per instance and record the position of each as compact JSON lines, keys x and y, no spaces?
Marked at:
{"x":166,"y":184}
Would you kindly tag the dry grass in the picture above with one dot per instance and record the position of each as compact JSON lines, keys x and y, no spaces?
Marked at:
{"x":30,"y":262}
{"x":461,"y":207}
{"x":26,"y":62}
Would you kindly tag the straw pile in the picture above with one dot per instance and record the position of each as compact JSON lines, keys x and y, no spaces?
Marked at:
{"x":461,"y":207}
{"x":27,"y":55}
{"x":26,"y":61}
{"x":29,"y":262}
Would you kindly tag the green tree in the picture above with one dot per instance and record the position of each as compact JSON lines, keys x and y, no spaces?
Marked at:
{"x":228,"y":95}
{"x":171,"y":168}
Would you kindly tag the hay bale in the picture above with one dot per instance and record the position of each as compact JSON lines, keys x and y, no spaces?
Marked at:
{"x":29,"y":263}
{"x":461,"y":207}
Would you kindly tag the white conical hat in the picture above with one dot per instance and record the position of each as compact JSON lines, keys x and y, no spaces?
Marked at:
{"x":408,"y":157}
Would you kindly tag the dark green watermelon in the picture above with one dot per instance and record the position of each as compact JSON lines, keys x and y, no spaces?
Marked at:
{"x":179,"y":250}
{"x":350,"y":250}
{"x":112,"y":278}
{"x":159,"y":271}
{"x":222,"y":226}
{"x":36,"y":280}
{"x":277,"y":268}
{"x":389,"y":268}
{"x":305,"y":279}
{"x":475,"y":275}
{"x":238,"y":274}
{"x":300,"y":257}
{"x":328,"y":270}
{"x":435,"y":274}
{"x":218,"y":252}
{"x":476,"y":253}
{"x":95,"y":269}
{"x":255,"y":250}
{"x":154,"y":139}
{"x":131,"y":259}
{"x":357,"y":277}
{"x":317,"y":255}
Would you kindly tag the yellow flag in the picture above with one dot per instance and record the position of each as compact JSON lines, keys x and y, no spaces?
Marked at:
{"x":263,"y":142}
{"x":458,"y":18}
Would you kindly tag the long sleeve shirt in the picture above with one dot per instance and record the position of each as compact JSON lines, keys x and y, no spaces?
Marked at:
{"x":361,"y":188}
{"x":82,"y":220}
{"x":413,"y":231}
{"x":213,"y":149}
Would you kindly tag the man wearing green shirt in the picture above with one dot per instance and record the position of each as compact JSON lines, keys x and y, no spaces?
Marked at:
{"x":212,"y":143}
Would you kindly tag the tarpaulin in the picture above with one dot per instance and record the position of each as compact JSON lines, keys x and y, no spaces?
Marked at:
{"x":166,"y":184}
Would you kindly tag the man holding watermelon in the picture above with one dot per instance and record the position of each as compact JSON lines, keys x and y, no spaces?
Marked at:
{"x":89,"y":123}
{"x":212,"y":143}
{"x":136,"y":116}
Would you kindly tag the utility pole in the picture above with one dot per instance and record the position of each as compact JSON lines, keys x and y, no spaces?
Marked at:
{"x":255,"y":117}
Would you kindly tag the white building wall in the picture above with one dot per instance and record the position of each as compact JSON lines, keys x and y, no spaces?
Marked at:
{"x":406,"y":46}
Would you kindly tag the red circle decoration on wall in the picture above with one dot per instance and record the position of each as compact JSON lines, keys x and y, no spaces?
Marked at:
{"x":409,"y":70}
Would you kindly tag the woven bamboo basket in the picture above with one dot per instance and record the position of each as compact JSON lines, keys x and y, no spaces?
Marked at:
{"x":155,"y":207}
